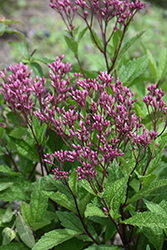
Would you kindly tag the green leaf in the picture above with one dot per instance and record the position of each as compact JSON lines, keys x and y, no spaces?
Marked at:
{"x":147,"y":189}
{"x":155,"y":236}
{"x":54,"y":238}
{"x":8,"y":235}
{"x":72,"y":44}
{"x":148,"y":247}
{"x":38,"y":202}
{"x":152,"y":63}
{"x":70,"y":221}
{"x":158,"y":154}
{"x":110,"y":190}
{"x":83,"y":202}
{"x":38,"y":130}
{"x":26,"y":212}
{"x":38,"y":225}
{"x":23,"y":148}
{"x":6,"y":21}
{"x":92,"y":210}
{"x":81,"y":34}
{"x":75,"y":31}
{"x":7,"y":217}
{"x":103,"y":247}
{"x":110,"y":231}
{"x":133,"y":69}
{"x":37,"y":68}
{"x":85,"y":184}
{"x":2,"y":132}
{"x":43,"y":60}
{"x":11,"y":30}
{"x":162,"y":67}
{"x":62,"y":200}
{"x":128,"y":44}
{"x":73,"y":182}
{"x":96,"y":40}
{"x":7,"y":170}
{"x":147,"y":219}
{"x":5,"y":185}
{"x":117,"y":38}
{"x":155,"y":208}
{"x":22,"y":48}
{"x":72,"y":244}
{"x":18,"y":189}
{"x":25,"y":231}
{"x":18,"y":132}
{"x":2,"y":28}
{"x":14,"y":246}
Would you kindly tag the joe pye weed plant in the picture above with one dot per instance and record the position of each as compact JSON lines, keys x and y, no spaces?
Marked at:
{"x":97,"y":138}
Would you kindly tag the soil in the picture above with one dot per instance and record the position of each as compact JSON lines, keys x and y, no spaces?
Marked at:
{"x":31,"y":8}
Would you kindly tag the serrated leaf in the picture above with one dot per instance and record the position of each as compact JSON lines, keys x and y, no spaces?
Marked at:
{"x":128,"y":44}
{"x":54,"y":238}
{"x":38,"y":202}
{"x":22,"y":48}
{"x":70,"y":221}
{"x":18,"y":132}
{"x":133,"y":69}
{"x":117,"y":38}
{"x":148,"y":247}
{"x":92,"y":210}
{"x":37,"y":68}
{"x":25,"y":231}
{"x":7,"y":217}
{"x":152,"y":63}
{"x":43,"y":60}
{"x":14,"y":246}
{"x":147,"y":189}
{"x":23,"y":148}
{"x":2,"y":28}
{"x":81,"y":34}
{"x":8,"y":235}
{"x":5,"y":185}
{"x":62,"y":200}
{"x":11,"y":30}
{"x":38,"y":130}
{"x":18,"y":190}
{"x":110,"y":230}
{"x":38,"y":225}
{"x":2,"y":132}
{"x":75,"y":31}
{"x":72,"y":44}
{"x":155,"y":208}
{"x":103,"y":247}
{"x":73,"y":182}
{"x":111,"y":190}
{"x":85,"y":184}
{"x":96,"y":40}
{"x":162,"y":67}
{"x":155,"y":236}
{"x":83,"y":202}
{"x":26,"y":212}
{"x":72,"y":244}
{"x":147,"y":219}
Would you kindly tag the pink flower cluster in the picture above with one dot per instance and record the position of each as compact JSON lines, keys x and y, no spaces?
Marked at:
{"x":97,"y":127}
{"x":103,"y":10}
{"x":156,"y":107}
{"x":19,"y":90}
{"x":95,"y":119}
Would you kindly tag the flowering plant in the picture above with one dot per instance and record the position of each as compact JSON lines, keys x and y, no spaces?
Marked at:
{"x":99,"y":155}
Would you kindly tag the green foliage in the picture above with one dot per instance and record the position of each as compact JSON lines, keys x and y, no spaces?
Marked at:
{"x":127,"y":198}
{"x":54,"y":238}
